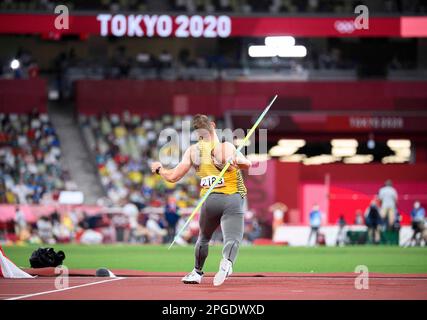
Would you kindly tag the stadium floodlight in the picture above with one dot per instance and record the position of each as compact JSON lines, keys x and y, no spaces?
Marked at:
{"x":398,"y":144}
{"x":282,"y":52}
{"x":344,"y":143}
{"x":292,"y":142}
{"x":292,"y":52}
{"x":293,"y":158}
{"x":394,"y":159}
{"x":262,"y":52}
{"x":280,"y":41}
{"x":15,"y":64}
{"x":343,"y":151}
{"x":359,"y":159}
{"x":321,"y":159}
{"x":404,"y":152}
{"x":283,"y":150}
{"x":278,"y":46}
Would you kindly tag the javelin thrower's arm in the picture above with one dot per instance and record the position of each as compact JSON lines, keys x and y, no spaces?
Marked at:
{"x":175,"y":174}
{"x":239,"y":160}
{"x":242,"y":162}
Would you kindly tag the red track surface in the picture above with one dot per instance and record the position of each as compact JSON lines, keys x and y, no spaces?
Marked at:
{"x":167,"y":286}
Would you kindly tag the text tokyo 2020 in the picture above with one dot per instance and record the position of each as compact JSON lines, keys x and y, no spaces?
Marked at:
{"x":181,"y":26}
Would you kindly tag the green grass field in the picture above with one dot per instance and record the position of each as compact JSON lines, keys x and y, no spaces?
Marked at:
{"x":251,"y":259}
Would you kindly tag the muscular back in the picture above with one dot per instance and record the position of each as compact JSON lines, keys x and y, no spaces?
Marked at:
{"x":201,"y":157}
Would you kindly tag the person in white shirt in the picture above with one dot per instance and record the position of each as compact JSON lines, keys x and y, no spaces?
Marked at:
{"x":20,"y":221}
{"x":45,"y":230}
{"x":279,"y":211}
{"x":388,"y":197}
{"x":132,"y":212}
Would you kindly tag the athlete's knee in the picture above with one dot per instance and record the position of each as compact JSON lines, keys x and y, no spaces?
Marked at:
{"x":235,"y":236}
{"x":232,"y":244}
{"x":203,"y":240}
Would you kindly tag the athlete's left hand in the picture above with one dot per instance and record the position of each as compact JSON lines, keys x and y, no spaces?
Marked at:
{"x":233,"y":162}
{"x":239,"y":161}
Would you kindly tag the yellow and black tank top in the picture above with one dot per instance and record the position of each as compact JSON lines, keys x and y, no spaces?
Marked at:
{"x":232,"y":181}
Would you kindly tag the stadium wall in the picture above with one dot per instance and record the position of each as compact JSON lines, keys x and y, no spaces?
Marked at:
{"x":22,"y":96}
{"x":156,"y":97}
{"x":298,"y":235}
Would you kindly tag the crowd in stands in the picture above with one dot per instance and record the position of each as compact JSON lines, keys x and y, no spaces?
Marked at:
{"x":124,"y":145}
{"x":120,"y":64}
{"x":221,"y":6}
{"x":212,"y":66}
{"x":123,"y":65}
{"x":75,"y":225}
{"x":31,"y":171}
{"x":68,"y":66}
{"x":130,"y":225}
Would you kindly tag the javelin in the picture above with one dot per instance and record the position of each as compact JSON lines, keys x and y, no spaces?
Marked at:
{"x":242,"y":144}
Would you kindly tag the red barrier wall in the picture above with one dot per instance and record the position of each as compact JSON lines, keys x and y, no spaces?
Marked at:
{"x":33,"y":211}
{"x":350,"y":187}
{"x":261,"y":195}
{"x":154,"y":97}
{"x":21,"y":96}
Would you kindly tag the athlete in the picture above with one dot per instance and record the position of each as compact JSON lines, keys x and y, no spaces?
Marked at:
{"x":224,"y":206}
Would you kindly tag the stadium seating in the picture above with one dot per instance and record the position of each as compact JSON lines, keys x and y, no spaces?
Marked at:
{"x":30,"y":160}
{"x":225,"y":6}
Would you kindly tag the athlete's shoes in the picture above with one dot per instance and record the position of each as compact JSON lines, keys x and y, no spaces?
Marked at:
{"x":193,"y":278}
{"x":225,"y":270}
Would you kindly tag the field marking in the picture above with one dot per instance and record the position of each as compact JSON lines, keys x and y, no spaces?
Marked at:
{"x":64,"y":289}
{"x":289,"y":277}
{"x":39,"y":280}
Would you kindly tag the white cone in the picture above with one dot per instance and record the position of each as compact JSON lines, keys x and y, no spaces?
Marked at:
{"x":8,"y":269}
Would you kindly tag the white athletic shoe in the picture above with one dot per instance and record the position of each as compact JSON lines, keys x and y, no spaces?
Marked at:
{"x":192,"y":278}
{"x":225,"y":270}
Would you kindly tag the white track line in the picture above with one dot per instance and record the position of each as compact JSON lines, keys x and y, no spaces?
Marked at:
{"x":288,"y":278}
{"x":65,"y":289}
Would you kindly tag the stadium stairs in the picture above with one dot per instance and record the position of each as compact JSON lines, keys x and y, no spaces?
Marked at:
{"x":75,"y":153}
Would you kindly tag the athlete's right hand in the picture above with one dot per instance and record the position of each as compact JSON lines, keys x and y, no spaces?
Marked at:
{"x":155,"y":165}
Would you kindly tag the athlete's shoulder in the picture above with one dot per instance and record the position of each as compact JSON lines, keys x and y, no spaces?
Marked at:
{"x":194,"y":154}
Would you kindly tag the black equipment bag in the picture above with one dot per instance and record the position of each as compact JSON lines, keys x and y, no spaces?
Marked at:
{"x":46,"y":257}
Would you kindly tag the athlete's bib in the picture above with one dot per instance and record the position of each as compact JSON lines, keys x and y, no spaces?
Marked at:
{"x":206,"y":182}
